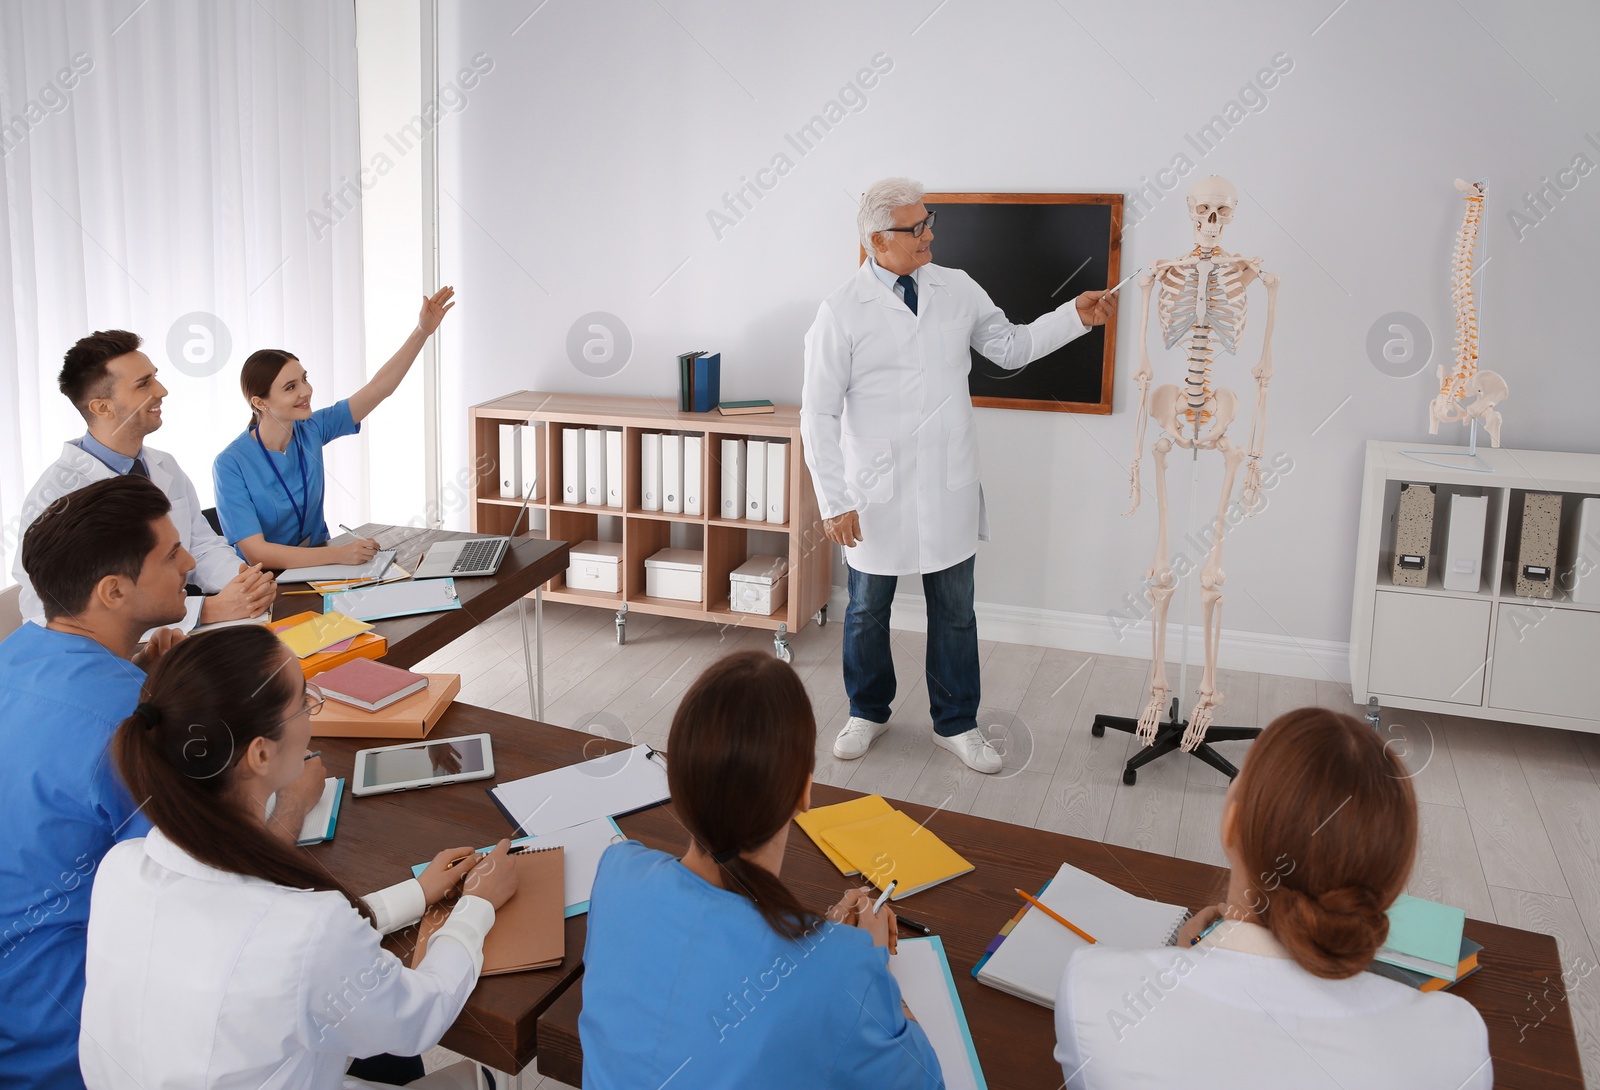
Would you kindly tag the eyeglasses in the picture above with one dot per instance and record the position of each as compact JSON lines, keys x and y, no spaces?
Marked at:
{"x":314,"y":699}
{"x":917,"y":228}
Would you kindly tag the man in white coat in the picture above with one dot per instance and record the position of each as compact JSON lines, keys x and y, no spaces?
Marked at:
{"x":114,"y":386}
{"x":892,"y":447}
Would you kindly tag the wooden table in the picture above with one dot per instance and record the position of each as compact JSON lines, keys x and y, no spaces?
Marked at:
{"x":380,"y":837}
{"x":528,"y":565}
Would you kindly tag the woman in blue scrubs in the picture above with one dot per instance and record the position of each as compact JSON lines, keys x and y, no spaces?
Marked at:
{"x":269,"y":481}
{"x":707,"y":967}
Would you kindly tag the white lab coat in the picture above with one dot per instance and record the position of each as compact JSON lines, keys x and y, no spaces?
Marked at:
{"x":1237,"y":1013}
{"x":887,"y":418}
{"x":215,"y":562}
{"x":198,"y":978}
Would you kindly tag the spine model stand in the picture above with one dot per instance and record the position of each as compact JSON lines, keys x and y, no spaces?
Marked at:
{"x":1467,"y":394}
{"x":1201,"y":306}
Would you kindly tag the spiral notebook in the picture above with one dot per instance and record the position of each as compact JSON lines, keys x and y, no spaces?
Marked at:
{"x":1028,"y":959}
{"x":529,"y":930}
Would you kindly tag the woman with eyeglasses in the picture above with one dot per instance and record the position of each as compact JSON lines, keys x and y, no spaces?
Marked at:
{"x":220,"y":954}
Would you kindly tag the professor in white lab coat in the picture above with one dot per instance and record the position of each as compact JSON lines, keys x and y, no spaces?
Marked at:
{"x":892,"y":446}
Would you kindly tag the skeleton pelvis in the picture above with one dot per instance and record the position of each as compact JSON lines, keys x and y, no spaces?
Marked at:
{"x":1169,"y":407}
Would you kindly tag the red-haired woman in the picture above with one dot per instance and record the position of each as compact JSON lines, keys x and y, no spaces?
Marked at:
{"x":1320,"y":830}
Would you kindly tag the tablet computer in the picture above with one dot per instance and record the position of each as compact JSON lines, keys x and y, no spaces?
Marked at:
{"x":422,"y":764}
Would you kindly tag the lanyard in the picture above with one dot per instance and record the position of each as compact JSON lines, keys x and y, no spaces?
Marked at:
{"x":305,"y":487}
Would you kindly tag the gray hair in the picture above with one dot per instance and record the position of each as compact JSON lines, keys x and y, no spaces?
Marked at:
{"x":879,"y":202}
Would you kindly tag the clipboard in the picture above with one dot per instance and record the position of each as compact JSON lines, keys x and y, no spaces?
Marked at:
{"x":384,"y":600}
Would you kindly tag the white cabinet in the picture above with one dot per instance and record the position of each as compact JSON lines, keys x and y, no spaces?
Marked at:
{"x":1483,"y":652}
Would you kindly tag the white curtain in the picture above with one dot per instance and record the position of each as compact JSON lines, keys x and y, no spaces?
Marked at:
{"x":166,"y":159}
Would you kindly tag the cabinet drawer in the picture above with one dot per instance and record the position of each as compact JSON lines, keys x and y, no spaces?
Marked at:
{"x":1545,"y":661}
{"x":1429,"y":648}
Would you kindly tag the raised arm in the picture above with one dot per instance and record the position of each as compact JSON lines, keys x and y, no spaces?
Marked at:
{"x":390,"y":375}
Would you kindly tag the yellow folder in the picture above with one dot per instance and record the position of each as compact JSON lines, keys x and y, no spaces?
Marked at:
{"x":817,"y":823}
{"x":323,"y":630}
{"x":894,"y":848}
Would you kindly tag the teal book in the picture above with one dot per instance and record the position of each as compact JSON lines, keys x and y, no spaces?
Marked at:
{"x":1424,"y":936}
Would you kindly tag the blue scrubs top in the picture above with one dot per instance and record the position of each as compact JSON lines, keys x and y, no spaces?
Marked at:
{"x":62,"y":807}
{"x":684,"y":979}
{"x":279,"y":495}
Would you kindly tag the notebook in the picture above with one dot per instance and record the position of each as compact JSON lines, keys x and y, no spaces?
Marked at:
{"x":324,"y":816}
{"x":609,"y":786}
{"x":1423,"y":982}
{"x":584,"y":845}
{"x":386,"y":600}
{"x":528,"y":932}
{"x":1028,"y":960}
{"x":372,"y":569}
{"x":370,"y":686}
{"x":322,"y":631}
{"x":392,"y":574}
{"x":923,"y":972}
{"x":1424,"y":936}
{"x":893,"y":848}
{"x":818,"y":822}
{"x":367,"y":645}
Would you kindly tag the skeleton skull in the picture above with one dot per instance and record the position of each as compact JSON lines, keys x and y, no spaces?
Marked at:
{"x":1212,"y":201}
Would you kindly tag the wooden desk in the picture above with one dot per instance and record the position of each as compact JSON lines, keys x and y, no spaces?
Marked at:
{"x":529,"y":564}
{"x":508,"y":1017}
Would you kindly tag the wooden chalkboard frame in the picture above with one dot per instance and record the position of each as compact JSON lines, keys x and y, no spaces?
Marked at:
{"x":1108,"y":365}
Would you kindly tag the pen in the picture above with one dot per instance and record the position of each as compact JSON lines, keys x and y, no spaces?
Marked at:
{"x":1212,"y":926}
{"x":888,"y":891}
{"x":1124,"y":280}
{"x":1057,"y":917}
{"x":313,"y":753}
{"x":345,"y":528}
{"x":913,"y":925}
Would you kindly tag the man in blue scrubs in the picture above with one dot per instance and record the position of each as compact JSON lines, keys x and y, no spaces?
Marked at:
{"x":109,"y":565}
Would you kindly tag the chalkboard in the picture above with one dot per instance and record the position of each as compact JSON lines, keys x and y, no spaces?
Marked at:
{"x":1031,"y":252}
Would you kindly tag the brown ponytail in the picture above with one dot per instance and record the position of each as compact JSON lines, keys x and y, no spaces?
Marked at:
{"x":1325,"y":825}
{"x":258,"y":374}
{"x":739,"y":755}
{"x":206,"y":701}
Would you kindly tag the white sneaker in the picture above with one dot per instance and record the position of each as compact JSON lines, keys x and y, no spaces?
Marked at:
{"x":856,"y":737}
{"x":974,"y":748}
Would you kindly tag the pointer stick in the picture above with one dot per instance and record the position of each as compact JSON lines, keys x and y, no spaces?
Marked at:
{"x":1136,"y":272}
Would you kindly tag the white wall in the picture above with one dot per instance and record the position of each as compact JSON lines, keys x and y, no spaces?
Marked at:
{"x":579,"y":174}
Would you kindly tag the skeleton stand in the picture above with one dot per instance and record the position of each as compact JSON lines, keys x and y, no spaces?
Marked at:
{"x":1169,"y":734}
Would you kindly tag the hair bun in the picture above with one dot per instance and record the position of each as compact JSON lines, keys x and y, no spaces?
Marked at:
{"x":1333,"y":934}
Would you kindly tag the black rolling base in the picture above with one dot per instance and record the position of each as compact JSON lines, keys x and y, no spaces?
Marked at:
{"x":1169,"y":736}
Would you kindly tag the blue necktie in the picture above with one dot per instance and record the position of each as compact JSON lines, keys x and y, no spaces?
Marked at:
{"x":910,"y":286}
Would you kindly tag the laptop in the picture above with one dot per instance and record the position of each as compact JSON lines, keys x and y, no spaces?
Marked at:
{"x":469,"y":556}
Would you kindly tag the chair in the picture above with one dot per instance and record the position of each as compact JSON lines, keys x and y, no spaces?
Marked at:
{"x":10,"y":610}
{"x":210,"y":514}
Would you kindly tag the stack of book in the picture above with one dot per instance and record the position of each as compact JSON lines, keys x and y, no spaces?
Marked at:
{"x":699,"y":381}
{"x":867,"y":836}
{"x":1426,"y":948}
{"x":375,"y":700}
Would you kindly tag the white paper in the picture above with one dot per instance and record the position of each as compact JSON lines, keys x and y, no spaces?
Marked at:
{"x":923,"y":974}
{"x":372,"y":569}
{"x":617,"y":783}
{"x":1030,"y":961}
{"x":583,"y":846}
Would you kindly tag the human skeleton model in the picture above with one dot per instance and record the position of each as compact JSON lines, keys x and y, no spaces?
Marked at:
{"x":1201,"y":304}
{"x":1486,"y":389}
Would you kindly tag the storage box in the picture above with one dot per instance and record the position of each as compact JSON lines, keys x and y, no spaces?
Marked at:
{"x":411,"y":717}
{"x":759,"y":585}
{"x":595,"y":565}
{"x":674,"y":573}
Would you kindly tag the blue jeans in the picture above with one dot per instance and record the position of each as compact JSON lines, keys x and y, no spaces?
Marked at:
{"x":952,"y":663}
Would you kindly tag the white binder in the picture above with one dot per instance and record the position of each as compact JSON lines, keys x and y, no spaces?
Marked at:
{"x":650,"y":471}
{"x":1585,"y":552}
{"x":672,"y":474}
{"x":692,"y":473}
{"x":572,"y":475}
{"x":755,"y":480}
{"x":777,"y":481}
{"x":613,"y":468}
{"x":531,"y":435}
{"x":1463,"y":544}
{"x":732,"y":479}
{"x":510,"y":462}
{"x":594,"y":467}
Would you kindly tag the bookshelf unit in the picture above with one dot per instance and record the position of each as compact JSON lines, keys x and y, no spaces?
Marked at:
{"x":723,"y":544}
{"x":1486,"y":653}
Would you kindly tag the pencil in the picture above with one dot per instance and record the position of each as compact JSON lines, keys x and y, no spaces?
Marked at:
{"x":1057,"y":917}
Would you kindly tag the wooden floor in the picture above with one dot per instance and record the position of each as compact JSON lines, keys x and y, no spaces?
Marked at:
{"x":1510,"y":813}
